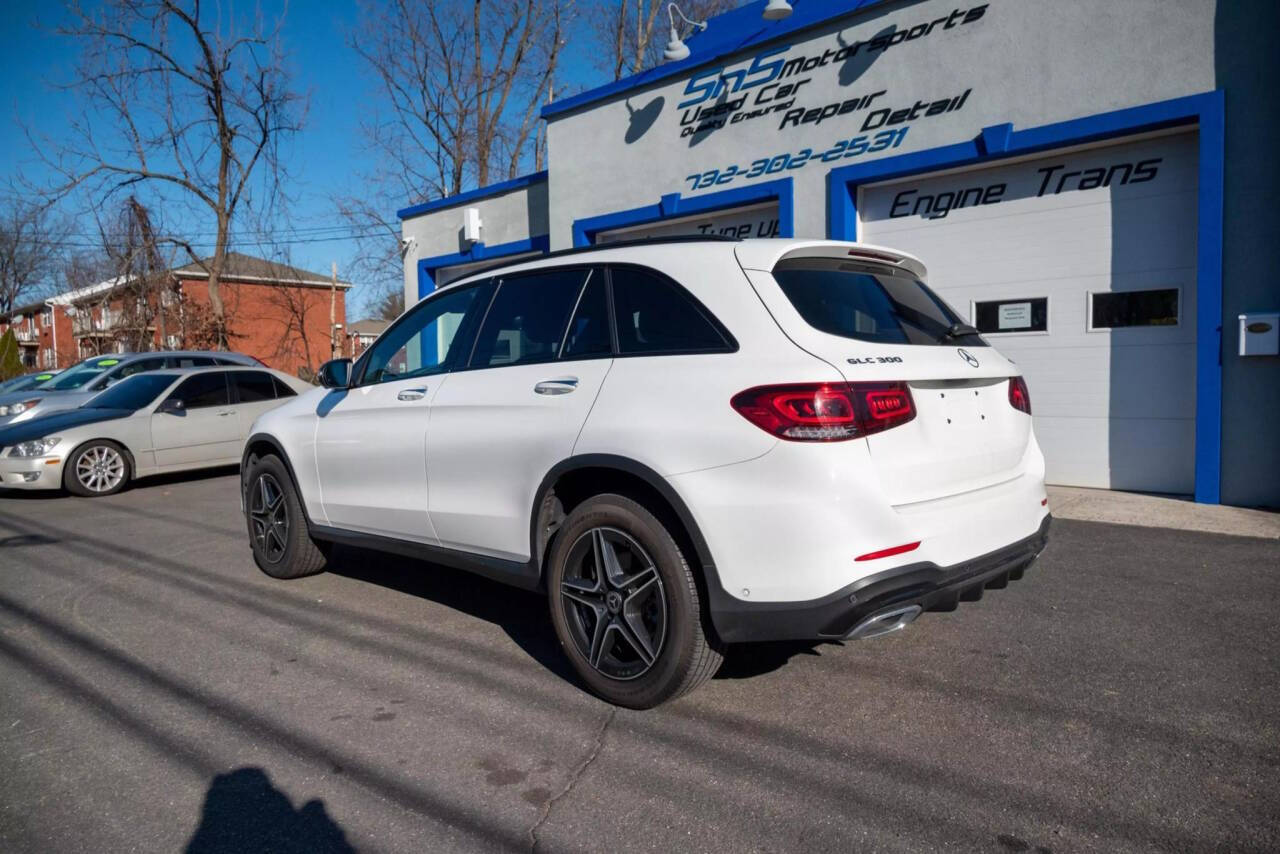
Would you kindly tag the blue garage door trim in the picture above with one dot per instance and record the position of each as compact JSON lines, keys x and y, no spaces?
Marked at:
{"x":1000,"y":141}
{"x":427,"y":267}
{"x":674,"y":205}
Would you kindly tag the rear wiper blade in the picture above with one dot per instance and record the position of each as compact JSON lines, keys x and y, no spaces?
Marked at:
{"x":957,"y":329}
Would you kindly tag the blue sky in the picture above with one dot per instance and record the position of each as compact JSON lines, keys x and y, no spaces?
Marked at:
{"x":324,"y":159}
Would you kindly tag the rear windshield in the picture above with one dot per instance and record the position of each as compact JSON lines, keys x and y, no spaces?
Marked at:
{"x":870,"y":304}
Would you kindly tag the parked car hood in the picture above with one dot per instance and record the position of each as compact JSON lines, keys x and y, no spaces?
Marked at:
{"x":49,"y":425}
{"x":28,"y":394}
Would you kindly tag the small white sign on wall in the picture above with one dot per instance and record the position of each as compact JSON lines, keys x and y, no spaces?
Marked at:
{"x":1015,"y":315}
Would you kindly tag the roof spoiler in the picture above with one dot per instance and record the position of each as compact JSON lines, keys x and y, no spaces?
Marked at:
{"x":752,"y":258}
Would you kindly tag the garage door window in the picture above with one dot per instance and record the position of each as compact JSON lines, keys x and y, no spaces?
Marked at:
{"x":1011,"y":315}
{"x":1133,"y":308}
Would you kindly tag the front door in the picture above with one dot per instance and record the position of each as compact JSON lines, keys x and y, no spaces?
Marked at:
{"x":205,"y":431}
{"x":498,"y":427}
{"x":371,"y":438}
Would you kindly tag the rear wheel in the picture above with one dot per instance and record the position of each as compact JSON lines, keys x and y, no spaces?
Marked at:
{"x":625,"y":605}
{"x":282,"y":546}
{"x":97,"y":468}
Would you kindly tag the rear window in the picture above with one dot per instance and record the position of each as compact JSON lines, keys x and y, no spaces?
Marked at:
{"x":655,"y":315}
{"x":869,"y":304}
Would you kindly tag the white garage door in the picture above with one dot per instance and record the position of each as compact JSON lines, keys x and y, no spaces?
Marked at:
{"x":1080,"y":266}
{"x":750,"y":221}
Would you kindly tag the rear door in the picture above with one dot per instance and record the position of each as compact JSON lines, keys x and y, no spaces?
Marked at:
{"x":253,"y":393}
{"x":877,"y":322}
{"x":205,"y":431}
{"x":500,"y":425}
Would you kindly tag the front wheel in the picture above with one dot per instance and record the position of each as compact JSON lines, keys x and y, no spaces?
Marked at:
{"x":625,"y":605}
{"x":96,"y":469}
{"x":282,"y":545}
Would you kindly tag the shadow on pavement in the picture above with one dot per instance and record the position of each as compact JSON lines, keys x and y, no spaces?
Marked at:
{"x":521,"y":614}
{"x":243,"y":812}
{"x":747,"y":660}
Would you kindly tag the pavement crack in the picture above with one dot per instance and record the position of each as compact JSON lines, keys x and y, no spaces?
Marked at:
{"x":569,"y":785}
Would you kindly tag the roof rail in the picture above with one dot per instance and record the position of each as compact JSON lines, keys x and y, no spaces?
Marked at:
{"x":499,"y":263}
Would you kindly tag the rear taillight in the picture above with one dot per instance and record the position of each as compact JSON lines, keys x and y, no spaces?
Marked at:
{"x":826,"y":412}
{"x":1019,"y":397}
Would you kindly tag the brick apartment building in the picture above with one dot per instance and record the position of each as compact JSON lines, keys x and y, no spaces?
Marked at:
{"x":276,"y":313}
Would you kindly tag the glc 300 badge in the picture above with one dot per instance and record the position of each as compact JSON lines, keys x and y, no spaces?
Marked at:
{"x":968,"y":357}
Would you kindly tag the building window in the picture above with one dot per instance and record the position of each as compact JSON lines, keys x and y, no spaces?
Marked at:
{"x":1023,"y":314}
{"x":1116,"y":310}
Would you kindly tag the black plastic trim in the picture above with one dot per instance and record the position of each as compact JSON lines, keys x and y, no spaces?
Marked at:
{"x":926,"y":584}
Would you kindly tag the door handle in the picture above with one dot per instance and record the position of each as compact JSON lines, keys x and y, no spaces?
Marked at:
{"x":560,"y":385}
{"x":225,"y":414}
{"x":412,"y":394}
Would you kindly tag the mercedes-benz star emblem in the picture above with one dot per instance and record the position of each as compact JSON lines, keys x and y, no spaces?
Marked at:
{"x":968,"y":357}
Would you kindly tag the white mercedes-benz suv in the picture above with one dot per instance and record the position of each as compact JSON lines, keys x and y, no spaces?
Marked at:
{"x":686,"y":443}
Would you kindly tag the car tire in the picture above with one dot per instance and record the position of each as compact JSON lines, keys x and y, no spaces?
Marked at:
{"x":635,"y":632}
{"x":97,"y":468}
{"x":282,"y":545}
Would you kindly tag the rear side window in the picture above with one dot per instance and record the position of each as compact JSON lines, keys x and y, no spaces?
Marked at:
{"x":203,"y":390}
{"x":866,"y":304}
{"x":655,"y":315}
{"x":253,"y":386}
{"x":527,"y":319}
{"x":282,"y":390}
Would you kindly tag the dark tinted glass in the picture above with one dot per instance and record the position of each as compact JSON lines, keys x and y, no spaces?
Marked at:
{"x":132,"y":392}
{"x":1012,"y":315}
{"x":1135,"y":308}
{"x":77,"y":375}
{"x":429,"y":339}
{"x":203,"y":390}
{"x":527,"y":319}
{"x":282,"y":390}
{"x":193,"y":361}
{"x":253,"y":386}
{"x":840,"y":298}
{"x":588,"y":333}
{"x":654,"y":315}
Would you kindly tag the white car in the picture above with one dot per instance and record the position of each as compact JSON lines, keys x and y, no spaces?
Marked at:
{"x":148,"y":423}
{"x":80,"y":382}
{"x":687,"y":443}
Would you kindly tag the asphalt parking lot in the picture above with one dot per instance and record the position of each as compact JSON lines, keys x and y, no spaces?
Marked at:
{"x":157,"y":692}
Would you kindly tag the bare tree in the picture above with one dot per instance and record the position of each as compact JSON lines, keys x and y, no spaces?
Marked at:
{"x":630,"y":34}
{"x":189,"y":103}
{"x":31,"y":249}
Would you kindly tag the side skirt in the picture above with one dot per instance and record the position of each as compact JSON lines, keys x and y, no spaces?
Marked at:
{"x":515,"y":573}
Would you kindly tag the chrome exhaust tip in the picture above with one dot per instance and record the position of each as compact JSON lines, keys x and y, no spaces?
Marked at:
{"x":884,"y":622}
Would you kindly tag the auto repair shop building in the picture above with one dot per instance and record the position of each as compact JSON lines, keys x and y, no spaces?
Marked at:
{"x":1092,"y":183}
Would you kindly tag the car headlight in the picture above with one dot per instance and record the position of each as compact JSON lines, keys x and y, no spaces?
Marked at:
{"x":19,"y":407}
{"x":34,"y":448}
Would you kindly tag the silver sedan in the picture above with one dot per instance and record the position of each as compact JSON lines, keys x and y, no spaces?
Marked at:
{"x":150,"y":423}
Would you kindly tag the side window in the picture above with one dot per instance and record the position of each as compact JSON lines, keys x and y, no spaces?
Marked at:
{"x":588,"y":333}
{"x":283,"y":390}
{"x":527,"y":320}
{"x":203,"y":390}
{"x":655,"y":315}
{"x":253,"y":386}
{"x":193,"y":361}
{"x":430,"y":339}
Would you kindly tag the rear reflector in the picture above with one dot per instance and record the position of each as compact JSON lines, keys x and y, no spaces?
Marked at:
{"x":1019,"y":397}
{"x":896,"y":550}
{"x":826,"y":412}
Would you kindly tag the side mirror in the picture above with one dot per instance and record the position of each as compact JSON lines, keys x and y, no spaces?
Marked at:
{"x":335,"y":373}
{"x":172,"y":406}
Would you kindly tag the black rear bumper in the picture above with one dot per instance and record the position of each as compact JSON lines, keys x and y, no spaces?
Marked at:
{"x":932,"y":587}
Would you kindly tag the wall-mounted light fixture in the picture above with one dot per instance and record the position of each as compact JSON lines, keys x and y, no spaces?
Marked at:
{"x":676,"y":48}
{"x":776,"y":10}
